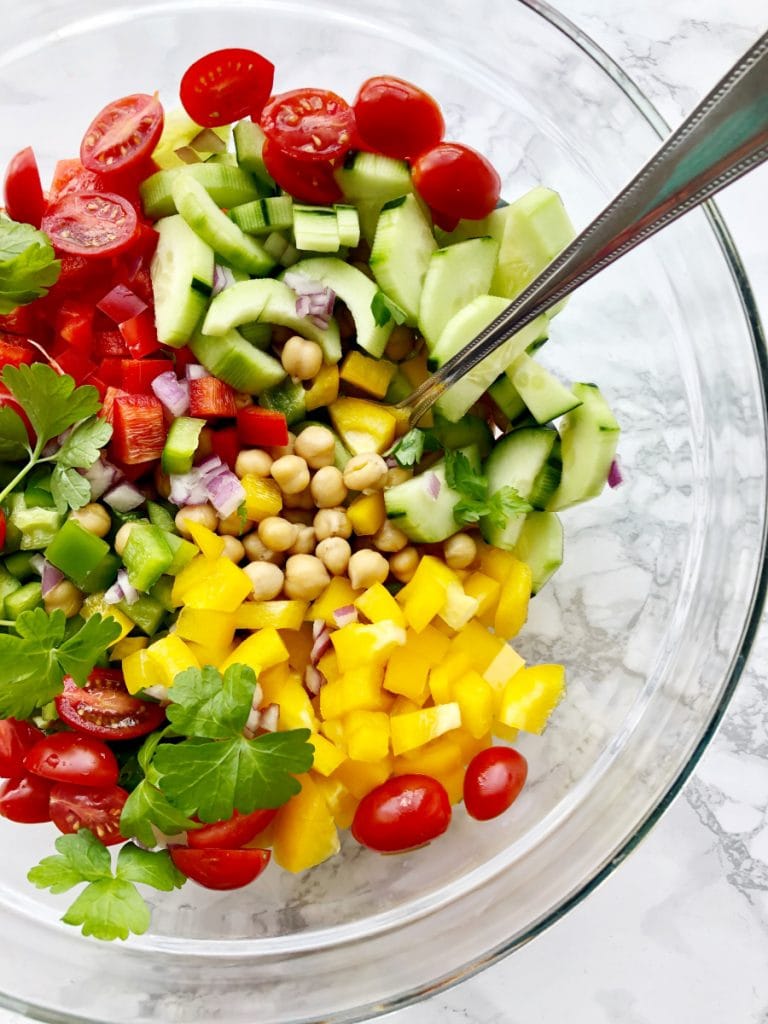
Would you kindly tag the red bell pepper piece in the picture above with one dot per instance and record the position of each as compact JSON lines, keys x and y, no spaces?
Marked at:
{"x":139,"y":429}
{"x":21,"y":321}
{"x":14,"y":352}
{"x":107,"y":411}
{"x":136,"y":375}
{"x":76,"y":364}
{"x":121,"y":304}
{"x":74,"y":324}
{"x":108,"y":343}
{"x":226,"y":444}
{"x":111,"y":371}
{"x":210,"y":399}
{"x":140,"y":334}
{"x":184,"y":357}
{"x":261,"y":428}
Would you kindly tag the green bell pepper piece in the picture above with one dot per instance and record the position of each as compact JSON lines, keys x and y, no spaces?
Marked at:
{"x":76,"y":552}
{"x":147,"y":556}
{"x":23,"y":600}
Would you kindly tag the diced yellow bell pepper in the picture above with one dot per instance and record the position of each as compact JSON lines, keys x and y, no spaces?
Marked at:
{"x":341,"y":803}
{"x":506,"y":664}
{"x":329,"y":666}
{"x":376,"y":603}
{"x":476,"y":642}
{"x":210,"y":654}
{"x":210,"y":543}
{"x":95,"y":604}
{"x":439,"y":757}
{"x":338,"y":594}
{"x":260,"y":650}
{"x":333,"y":730}
{"x":475,"y":698}
{"x":407,"y":674}
{"x":171,"y":656}
{"x":324,"y":390}
{"x":363,"y":426}
{"x":263,"y":497}
{"x":512,"y":609}
{"x":215,"y":629}
{"x":139,"y":671}
{"x":485,"y":590}
{"x":367,"y":735}
{"x":296,"y":711}
{"x":367,"y":514}
{"x":442,"y":627}
{"x":504,"y":732}
{"x":222,"y":589}
{"x":429,"y":644}
{"x":530,"y":697}
{"x":371,"y":375}
{"x":328,"y":757}
{"x":458,"y":608}
{"x":304,"y":830}
{"x":425,"y":595}
{"x":360,"y":777}
{"x":443,"y":676}
{"x":299,"y":643}
{"x":272,"y":680}
{"x":278,"y":614}
{"x":127,"y":646}
{"x":357,"y":690}
{"x":468,"y":744}
{"x":192,"y":574}
{"x":403,"y":706}
{"x":419,"y":727}
{"x":496,"y":563}
{"x":416,"y":370}
{"x":358,"y":644}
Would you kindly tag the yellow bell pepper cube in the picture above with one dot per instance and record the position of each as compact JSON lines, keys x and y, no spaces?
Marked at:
{"x":95,"y":604}
{"x":475,"y":698}
{"x":425,"y":595}
{"x":504,"y":732}
{"x":470,"y":745}
{"x":299,"y":644}
{"x":530,"y":697}
{"x":192,"y":574}
{"x":263,"y":497}
{"x":438,"y":757}
{"x":210,"y":654}
{"x":356,"y":690}
{"x":341,"y":803}
{"x":210,"y":543}
{"x":127,"y":646}
{"x":338,"y":594}
{"x":324,"y":390}
{"x":171,"y":656}
{"x":358,"y":644}
{"x":139,"y":671}
{"x":367,"y":734}
{"x":430,"y":644}
{"x":272,"y":680}
{"x":496,"y":563}
{"x":296,"y":711}
{"x":329,"y":666}
{"x":209,"y":628}
{"x":443,"y":676}
{"x":485,"y":590}
{"x":367,"y":514}
{"x":278,"y":614}
{"x":506,"y":664}
{"x":260,"y":650}
{"x":328,"y":757}
{"x":376,"y":603}
{"x":360,"y":777}
{"x":407,"y":674}
{"x":222,"y":589}
{"x":363,"y":426}
{"x":403,"y":706}
{"x":458,"y":608}
{"x":476,"y":642}
{"x":371,"y":375}
{"x":333,"y":730}
{"x":419,"y":727}
{"x":416,"y":370}
{"x":304,"y":830}
{"x":442,"y":627}
{"x":512,"y":609}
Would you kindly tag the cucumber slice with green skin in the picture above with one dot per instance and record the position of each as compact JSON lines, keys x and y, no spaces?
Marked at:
{"x":399,"y":389}
{"x":548,"y":479}
{"x":461,"y":329}
{"x":227,"y":187}
{"x":505,"y":395}
{"x":455,"y":276}
{"x":349,"y":225}
{"x":540,"y":546}
{"x":589,"y":437}
{"x":415,"y":510}
{"x":269,"y":302}
{"x":249,"y":144}
{"x":516,"y":461}
{"x":181,"y":444}
{"x":315,"y":228}
{"x":257,"y":334}
{"x":470,"y":430}
{"x":371,"y":176}
{"x":544,"y":396}
{"x":182,"y":278}
{"x":217,"y":230}
{"x":401,"y":252}
{"x":238,"y":363}
{"x":179,"y":130}
{"x":263,"y":216}
{"x":288,"y":397}
{"x":356,"y":291}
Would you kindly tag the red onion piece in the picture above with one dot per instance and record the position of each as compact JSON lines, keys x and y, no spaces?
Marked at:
{"x":114,"y":595}
{"x":226,"y":492}
{"x":433,"y":486}
{"x":121,"y":304}
{"x":344,"y":616}
{"x":188,"y":488}
{"x":51,"y":577}
{"x":195,"y":371}
{"x":314,"y":680}
{"x":171,"y":392}
{"x":207,"y":141}
{"x":130,"y":593}
{"x":615,"y":479}
{"x":320,"y":646}
{"x":318,"y":627}
{"x":270,"y":717}
{"x":222,"y":278}
{"x":101,"y":475}
{"x":38,"y":564}
{"x":124,"y":498}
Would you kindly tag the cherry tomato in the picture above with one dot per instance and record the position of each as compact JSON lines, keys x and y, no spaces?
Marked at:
{"x":91,"y":223}
{"x":493,"y":781}
{"x":123,"y":134}
{"x":22,"y":189}
{"x":225,"y":85}
{"x":70,"y":176}
{"x":25,"y":799}
{"x":16,"y":738}
{"x":220,"y":869}
{"x":103,"y":708}
{"x":310,"y":124}
{"x":306,"y":181}
{"x":402,"y":813}
{"x":397,"y":118}
{"x":97,"y":809}
{"x":457,"y":181}
{"x":232,"y":834}
{"x":80,"y":760}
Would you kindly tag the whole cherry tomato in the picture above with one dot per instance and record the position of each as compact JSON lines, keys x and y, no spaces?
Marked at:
{"x":492,"y":781}
{"x":402,"y":813}
{"x":457,"y":181}
{"x":79,"y":760}
{"x":397,"y":118}
{"x":220,"y":869}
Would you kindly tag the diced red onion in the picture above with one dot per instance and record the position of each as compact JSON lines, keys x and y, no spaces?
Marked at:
{"x":130,"y":593}
{"x":319,"y":321}
{"x":158,"y":692}
{"x":314,"y":299}
{"x":121,"y":304}
{"x":320,"y":646}
{"x":114,"y":595}
{"x":344,"y":616}
{"x":101,"y":475}
{"x":302,"y":284}
{"x":270,"y":717}
{"x":187,"y":155}
{"x":207,"y":141}
{"x":615,"y":479}
{"x":226,"y":492}
{"x":222,"y":278}
{"x":303,"y":305}
{"x":195,"y":371}
{"x":50,"y":577}
{"x":188,"y":488}
{"x":391,"y":462}
{"x":318,"y":627}
{"x":46,"y":356}
{"x":124,"y":498}
{"x":38,"y":563}
{"x":171,"y":392}
{"x":314,"y":680}
{"x":433,"y":486}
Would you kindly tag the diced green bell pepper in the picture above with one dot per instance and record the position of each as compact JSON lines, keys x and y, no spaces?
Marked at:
{"x":103,"y":576}
{"x":76,"y":552}
{"x":8,"y":585}
{"x":39,"y":496}
{"x":147,"y":556}
{"x":146,"y":612}
{"x":23,"y":600}
{"x":181,"y":444}
{"x":38,"y":525}
{"x":20,"y":565}
{"x":183,"y":553}
{"x":163,"y":592}
{"x":160,"y":516}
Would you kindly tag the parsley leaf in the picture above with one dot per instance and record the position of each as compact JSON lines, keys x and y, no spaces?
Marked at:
{"x":14,"y":441}
{"x":52,"y":402}
{"x":461,"y":477}
{"x":83,"y":445}
{"x":505,"y":505}
{"x":28,"y":264}
{"x":145,"y":807}
{"x":148,"y":868}
{"x":411,"y":447}
{"x":81,"y":858}
{"x":475,"y":502}
{"x":207,"y":705}
{"x":69,"y":489}
{"x":109,"y":909}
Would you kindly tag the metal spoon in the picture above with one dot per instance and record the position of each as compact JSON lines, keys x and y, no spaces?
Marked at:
{"x":725,"y":136}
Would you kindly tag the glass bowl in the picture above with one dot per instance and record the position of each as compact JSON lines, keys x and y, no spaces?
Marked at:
{"x":653,"y":612}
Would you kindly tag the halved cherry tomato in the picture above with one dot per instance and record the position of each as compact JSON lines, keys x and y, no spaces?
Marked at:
{"x":140,"y":429}
{"x":310,"y":124}
{"x":23,"y":190}
{"x":397,"y":118}
{"x":493,"y":781}
{"x":25,"y":799}
{"x":16,"y":738}
{"x":123,"y":134}
{"x":70,"y":176}
{"x":220,"y":869}
{"x":457,"y":181}
{"x":225,"y":85}
{"x":306,"y":181}
{"x":232,"y":834}
{"x":210,"y":398}
{"x":91,"y":223}
{"x":264,"y":428}
{"x":104,"y":708}
{"x":402,"y":813}
{"x":97,"y":809}
{"x":67,"y":757}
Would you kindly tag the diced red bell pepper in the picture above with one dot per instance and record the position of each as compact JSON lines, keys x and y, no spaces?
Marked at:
{"x":136,"y":375}
{"x":263,"y":428}
{"x":184,"y":357}
{"x":74,"y":324}
{"x":76,"y":364}
{"x":134,"y":472}
{"x":226,"y":444}
{"x":107,"y":411}
{"x":111,"y":371}
{"x":139,"y":429}
{"x":21,"y":321}
{"x":211,"y":399}
{"x":121,"y":304}
{"x":109,"y":344}
{"x":13,"y":351}
{"x":140,"y":334}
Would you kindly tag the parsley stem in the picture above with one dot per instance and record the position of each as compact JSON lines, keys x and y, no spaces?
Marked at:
{"x":34,"y":458}
{"x":8,"y":622}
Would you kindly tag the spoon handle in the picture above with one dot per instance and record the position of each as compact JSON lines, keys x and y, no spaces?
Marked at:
{"x":725,"y":136}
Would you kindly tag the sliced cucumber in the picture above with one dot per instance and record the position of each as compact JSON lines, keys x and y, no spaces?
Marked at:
{"x":356,"y":291}
{"x":506,"y":396}
{"x":179,"y":130}
{"x":227,"y":187}
{"x":249,"y":143}
{"x":349,"y":224}
{"x":516,"y":461}
{"x":263,"y":216}
{"x":540,"y":546}
{"x":370,"y":176}
{"x":422,"y":507}
{"x":544,"y":396}
{"x":455,"y":276}
{"x":269,"y":302}
{"x":257,"y":334}
{"x":470,"y":430}
{"x":401,"y":252}
{"x":182,"y":279}
{"x":315,"y":228}
{"x":589,"y":437}
{"x":238,"y":363}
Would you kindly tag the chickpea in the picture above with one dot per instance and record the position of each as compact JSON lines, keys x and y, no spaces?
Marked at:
{"x":389,"y":538}
{"x":291,"y":474}
{"x":93,"y":518}
{"x":276,"y":533}
{"x":328,"y":488}
{"x":460,"y":551}
{"x":302,"y":501}
{"x":332,"y":522}
{"x":64,"y":597}
{"x":304,"y":543}
{"x":404,"y":564}
{"x":162,"y":482}
{"x":317,"y":446}
{"x":205,"y":443}
{"x":301,"y":359}
{"x":400,"y":344}
{"x":284,"y":449}
{"x":305,"y":577}
{"x":235,"y":525}
{"x":253,"y":462}
{"x":258,"y":551}
{"x":366,"y":568}
{"x":365,"y":472}
{"x":334,"y":553}
{"x":266,"y":580}
{"x":121,"y":537}
{"x":397,"y":475}
{"x":205,"y":515}
{"x":233,"y":549}
{"x":300,"y":516}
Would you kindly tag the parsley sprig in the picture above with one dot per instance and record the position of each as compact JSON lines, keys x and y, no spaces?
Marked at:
{"x":28,"y":264}
{"x":476,"y":502}
{"x":412,"y":446}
